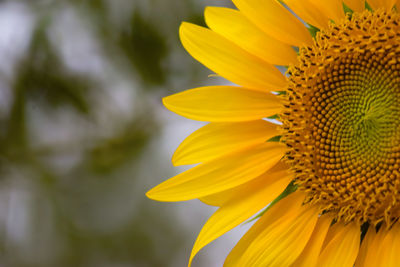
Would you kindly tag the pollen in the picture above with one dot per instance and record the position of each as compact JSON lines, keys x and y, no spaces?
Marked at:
{"x":342,"y":118}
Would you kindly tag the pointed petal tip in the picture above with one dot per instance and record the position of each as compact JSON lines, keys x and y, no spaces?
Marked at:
{"x":184,"y":27}
{"x":157,"y":194}
{"x":208,"y":10}
{"x":165,"y":102}
{"x":168,"y":103}
{"x":154,"y":194}
{"x":223,"y":104}
{"x":175,"y":160}
{"x":149,"y":195}
{"x":179,"y":160}
{"x":190,"y":260}
{"x":165,"y":192}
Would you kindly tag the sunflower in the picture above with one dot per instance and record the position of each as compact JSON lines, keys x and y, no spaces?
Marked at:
{"x":323,"y":179}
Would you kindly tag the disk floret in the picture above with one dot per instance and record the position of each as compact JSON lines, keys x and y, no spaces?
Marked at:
{"x":342,"y":118}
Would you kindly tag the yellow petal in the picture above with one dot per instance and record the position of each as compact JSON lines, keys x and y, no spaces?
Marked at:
{"x":309,"y":13}
{"x":233,"y":25}
{"x":390,"y":248}
{"x":365,"y":244}
{"x":355,"y":5}
{"x":220,"y":174}
{"x":332,"y":9}
{"x":370,"y":251}
{"x":283,"y":243}
{"x":333,"y":231}
{"x":375,"y":4}
{"x":217,"y":139}
{"x":387,"y":4}
{"x":278,"y":237}
{"x":309,"y":256}
{"x":275,"y":20}
{"x":288,"y":205}
{"x":221,"y":198}
{"x":228,"y":60}
{"x":223,"y":104}
{"x":343,"y":248}
{"x":251,"y":198}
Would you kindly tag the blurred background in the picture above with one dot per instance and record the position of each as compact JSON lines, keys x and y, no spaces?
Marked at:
{"x":83,"y":134}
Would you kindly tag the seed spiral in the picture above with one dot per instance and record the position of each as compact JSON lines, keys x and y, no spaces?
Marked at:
{"x":342,"y":118}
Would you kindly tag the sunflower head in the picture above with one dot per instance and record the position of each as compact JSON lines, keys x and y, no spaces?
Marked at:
{"x":329,"y":173}
{"x":341,"y":118}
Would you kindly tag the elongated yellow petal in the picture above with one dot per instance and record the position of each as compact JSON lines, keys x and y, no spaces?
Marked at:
{"x":217,"y":139}
{"x":355,"y":5}
{"x":333,"y":231}
{"x":233,"y":25}
{"x":221,"y":198}
{"x":228,"y":60}
{"x":275,"y":20}
{"x":223,"y":104}
{"x":332,"y":9}
{"x":370,"y":252}
{"x":308,"y":12}
{"x":343,"y":248}
{"x":365,"y":245}
{"x":220,"y":174}
{"x":254,"y":196}
{"x":309,"y":256}
{"x":389,"y":4}
{"x":390,"y":248}
{"x":376,"y":4}
{"x":288,"y":206}
{"x":281,"y":236}
{"x":283,"y":242}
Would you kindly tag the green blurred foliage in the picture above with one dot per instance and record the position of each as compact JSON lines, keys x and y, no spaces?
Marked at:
{"x":42,"y":77}
{"x":64,"y":206}
{"x":142,"y":36}
{"x":111,"y":153}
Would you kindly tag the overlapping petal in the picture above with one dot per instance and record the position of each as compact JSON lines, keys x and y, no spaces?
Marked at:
{"x":309,"y":256}
{"x":229,"y":60}
{"x":234,"y":26}
{"x":278,"y":237}
{"x":243,"y":204}
{"x":369,"y":254}
{"x":275,"y":20}
{"x":342,"y":248}
{"x":220,"y":174}
{"x":332,"y":9}
{"x":389,"y":255}
{"x":387,"y":4}
{"x":355,"y":5}
{"x":220,"y":198}
{"x":223,"y":104}
{"x":217,"y":139}
{"x":366,"y":243}
{"x":308,"y":12}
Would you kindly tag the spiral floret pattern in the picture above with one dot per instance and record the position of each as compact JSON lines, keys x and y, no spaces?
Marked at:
{"x":342,"y":119}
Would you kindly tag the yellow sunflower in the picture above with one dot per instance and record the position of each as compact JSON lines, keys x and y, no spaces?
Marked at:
{"x":324,"y":182}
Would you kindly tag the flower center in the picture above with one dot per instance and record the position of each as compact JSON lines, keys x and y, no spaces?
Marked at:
{"x":342,"y":118}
